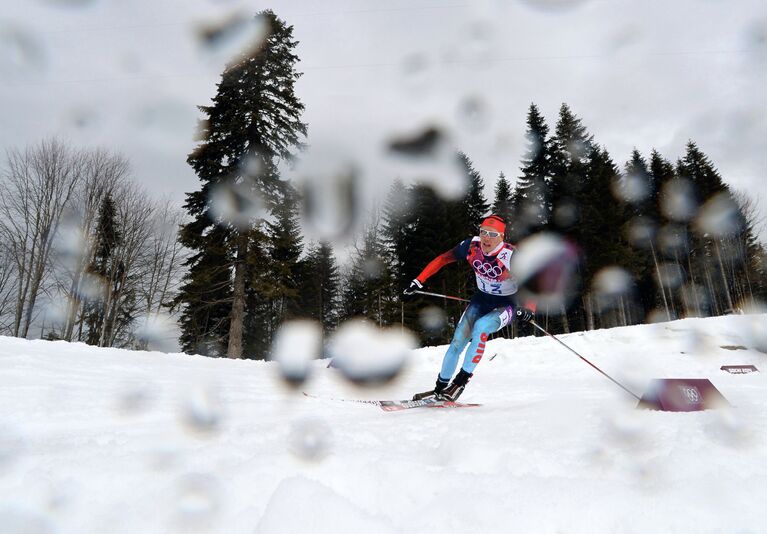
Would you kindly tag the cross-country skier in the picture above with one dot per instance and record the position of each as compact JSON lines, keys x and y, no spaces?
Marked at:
{"x":490,"y":309}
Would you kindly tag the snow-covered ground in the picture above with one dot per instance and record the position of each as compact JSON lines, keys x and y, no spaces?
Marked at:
{"x":105,"y":440}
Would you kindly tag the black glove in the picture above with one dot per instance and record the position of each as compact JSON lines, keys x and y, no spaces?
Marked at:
{"x":525,"y":315}
{"x":411,"y":289}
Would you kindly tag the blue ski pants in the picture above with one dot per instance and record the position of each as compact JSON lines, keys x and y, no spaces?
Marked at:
{"x":474,"y":328}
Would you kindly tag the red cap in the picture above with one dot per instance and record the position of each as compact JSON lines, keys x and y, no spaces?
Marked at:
{"x":495,"y":223}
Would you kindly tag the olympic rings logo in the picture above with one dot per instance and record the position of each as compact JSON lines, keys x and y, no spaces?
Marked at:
{"x":487,"y":269}
{"x":692,"y":394}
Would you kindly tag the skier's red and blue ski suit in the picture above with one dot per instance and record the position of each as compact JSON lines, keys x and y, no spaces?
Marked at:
{"x":490,"y":309}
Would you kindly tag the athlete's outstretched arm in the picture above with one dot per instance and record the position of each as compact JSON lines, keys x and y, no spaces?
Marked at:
{"x":435,"y":265}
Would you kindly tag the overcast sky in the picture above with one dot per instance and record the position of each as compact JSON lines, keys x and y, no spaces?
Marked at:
{"x":128,"y":74}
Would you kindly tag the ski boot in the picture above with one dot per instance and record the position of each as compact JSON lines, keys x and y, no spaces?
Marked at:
{"x":436,"y":392}
{"x":454,"y":390}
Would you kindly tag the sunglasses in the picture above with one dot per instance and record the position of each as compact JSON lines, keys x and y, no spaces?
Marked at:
{"x":489,"y":233}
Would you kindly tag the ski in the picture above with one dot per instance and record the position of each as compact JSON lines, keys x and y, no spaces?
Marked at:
{"x":399,"y":405}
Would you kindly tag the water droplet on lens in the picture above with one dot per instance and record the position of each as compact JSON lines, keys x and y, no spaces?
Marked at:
{"x":566,"y":213}
{"x":237,"y":32}
{"x":672,"y":240}
{"x":21,"y":54}
{"x":330,"y":190}
{"x":200,"y":411}
{"x":198,"y":502}
{"x":433,"y":320}
{"x":633,"y":188}
{"x":367,"y":355}
{"x":310,"y":439}
{"x":473,"y":113}
{"x":425,"y":143}
{"x":719,"y":217}
{"x":165,"y":120}
{"x":12,"y":447}
{"x":641,"y":232}
{"x":237,"y":202}
{"x":612,"y":281}
{"x":157,"y":332}
{"x":671,"y":275}
{"x":545,"y":266}
{"x":296,"y":345}
{"x":678,"y":200}
{"x":416,"y":73}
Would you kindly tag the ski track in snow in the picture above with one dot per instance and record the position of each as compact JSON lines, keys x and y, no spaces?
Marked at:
{"x":106,"y":440}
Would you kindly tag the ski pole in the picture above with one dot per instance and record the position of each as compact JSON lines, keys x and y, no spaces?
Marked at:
{"x":624,"y":388}
{"x":440,"y":295}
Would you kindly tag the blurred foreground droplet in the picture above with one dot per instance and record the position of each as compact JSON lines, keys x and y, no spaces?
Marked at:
{"x":157,"y":332}
{"x":21,"y":54}
{"x":198,"y":502}
{"x":367,"y":355}
{"x":641,"y":232}
{"x":671,"y":275}
{"x":237,"y":203}
{"x":164,"y":119}
{"x":424,"y":144}
{"x":201,"y":411}
{"x":719,"y":217}
{"x":633,"y":188}
{"x":672,"y":240}
{"x":544,"y":265}
{"x":295,"y":346}
{"x":237,"y":32}
{"x":757,"y":331}
{"x":310,"y":439}
{"x":330,"y":189}
{"x":135,"y":398}
{"x":473,"y":113}
{"x":566,"y":213}
{"x":678,"y":200}
{"x":433,"y":320}
{"x":416,"y":75}
{"x":429,"y":157}
{"x":12,"y":446}
{"x":612,"y":281}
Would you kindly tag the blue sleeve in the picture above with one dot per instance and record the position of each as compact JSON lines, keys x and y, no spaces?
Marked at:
{"x":462,"y":249}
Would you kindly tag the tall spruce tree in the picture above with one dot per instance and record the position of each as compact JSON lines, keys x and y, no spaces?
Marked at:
{"x":602,"y":238}
{"x":571,"y":147}
{"x":320,"y":285}
{"x":531,"y":198}
{"x":368,"y":283}
{"x":715,"y":259}
{"x":103,"y":268}
{"x":502,"y":203}
{"x":252,"y":125}
{"x":474,"y":203}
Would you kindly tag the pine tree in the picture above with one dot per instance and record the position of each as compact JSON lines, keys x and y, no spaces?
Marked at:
{"x":503,"y":203}
{"x":103,"y":269}
{"x":639,"y":189}
{"x":367,"y":283}
{"x":716,"y":258}
{"x":252,"y":125}
{"x":285,"y":248}
{"x":531,"y":198}
{"x":603,"y":240}
{"x":474,"y":204}
{"x":319,"y":287}
{"x":571,"y":147}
